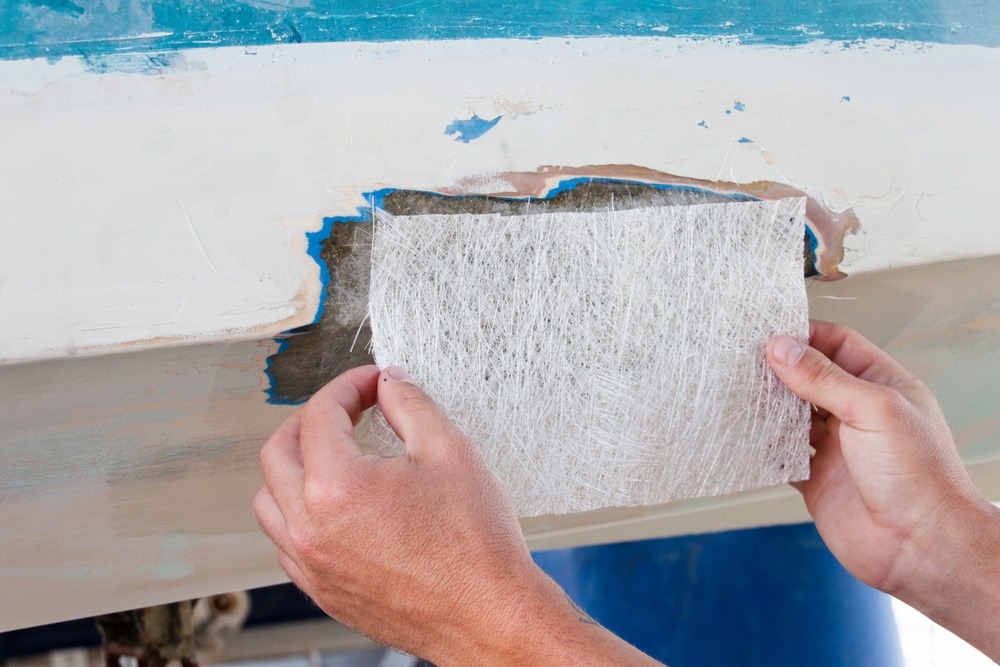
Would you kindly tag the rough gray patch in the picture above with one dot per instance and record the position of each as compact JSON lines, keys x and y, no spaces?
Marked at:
{"x":317,"y":353}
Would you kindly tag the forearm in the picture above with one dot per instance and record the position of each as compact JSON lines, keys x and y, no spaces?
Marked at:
{"x":542,"y":628}
{"x":954,"y":574}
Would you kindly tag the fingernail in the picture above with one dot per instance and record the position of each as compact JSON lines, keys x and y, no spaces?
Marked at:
{"x":787,"y":350}
{"x":397,"y":373}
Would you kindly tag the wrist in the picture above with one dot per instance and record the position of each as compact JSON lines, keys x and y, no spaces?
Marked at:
{"x":537,"y":624}
{"x":952,"y":573}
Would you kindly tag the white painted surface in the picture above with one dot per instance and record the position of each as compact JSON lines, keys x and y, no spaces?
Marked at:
{"x":156,"y":206}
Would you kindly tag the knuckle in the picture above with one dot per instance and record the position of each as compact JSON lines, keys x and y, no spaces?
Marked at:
{"x":259,"y":500}
{"x":317,"y":498}
{"x":265,"y":455}
{"x":270,"y":458}
{"x":821,"y":371}
{"x":876,"y":405}
{"x":417,"y":403}
{"x":921,"y":393}
{"x":307,"y":413}
{"x":325,"y":498}
{"x":837,"y":329}
{"x":889,"y":403}
{"x":303,"y":540}
{"x":463,"y":450}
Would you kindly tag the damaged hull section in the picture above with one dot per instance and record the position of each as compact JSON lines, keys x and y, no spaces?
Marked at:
{"x":186,"y":227}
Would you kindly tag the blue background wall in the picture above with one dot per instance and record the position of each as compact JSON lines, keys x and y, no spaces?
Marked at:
{"x":765,"y":596}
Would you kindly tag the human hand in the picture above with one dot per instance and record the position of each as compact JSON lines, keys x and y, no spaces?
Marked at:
{"x":422,"y":551}
{"x":887,"y":490}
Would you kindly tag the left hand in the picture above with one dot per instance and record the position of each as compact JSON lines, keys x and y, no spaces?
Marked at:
{"x":421,"y":551}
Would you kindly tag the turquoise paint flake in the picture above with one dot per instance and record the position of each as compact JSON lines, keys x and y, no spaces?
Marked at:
{"x":56,"y":28}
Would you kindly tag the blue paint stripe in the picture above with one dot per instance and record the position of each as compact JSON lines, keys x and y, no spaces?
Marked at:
{"x":55,"y":28}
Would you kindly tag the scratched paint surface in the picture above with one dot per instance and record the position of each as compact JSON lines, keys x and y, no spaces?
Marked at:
{"x":129,"y":474}
{"x":54,"y":28}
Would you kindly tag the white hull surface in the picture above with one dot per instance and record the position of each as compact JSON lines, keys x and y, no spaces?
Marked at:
{"x":160,"y":223}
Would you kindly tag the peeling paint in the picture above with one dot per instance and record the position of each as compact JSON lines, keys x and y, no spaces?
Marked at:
{"x":828,"y":227}
{"x":471,"y":128}
{"x":308,"y":357}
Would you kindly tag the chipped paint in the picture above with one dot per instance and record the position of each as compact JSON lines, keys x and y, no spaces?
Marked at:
{"x":471,"y":128}
{"x":828,"y":227}
{"x":308,"y":357}
{"x":171,"y":158}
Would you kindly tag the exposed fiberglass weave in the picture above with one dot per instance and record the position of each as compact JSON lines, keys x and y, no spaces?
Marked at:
{"x":602,"y":359}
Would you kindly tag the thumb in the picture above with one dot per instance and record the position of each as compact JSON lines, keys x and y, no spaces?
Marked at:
{"x":414,"y":416}
{"x":813,"y":377}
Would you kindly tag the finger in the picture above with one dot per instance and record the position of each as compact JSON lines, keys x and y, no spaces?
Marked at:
{"x":857,"y":355}
{"x":416,"y":418}
{"x":328,"y":419}
{"x":271,"y":520}
{"x":812,"y":376}
{"x":825,"y":468}
{"x":281,"y":463}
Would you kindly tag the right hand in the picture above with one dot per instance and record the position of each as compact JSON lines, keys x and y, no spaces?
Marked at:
{"x":887,"y":490}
